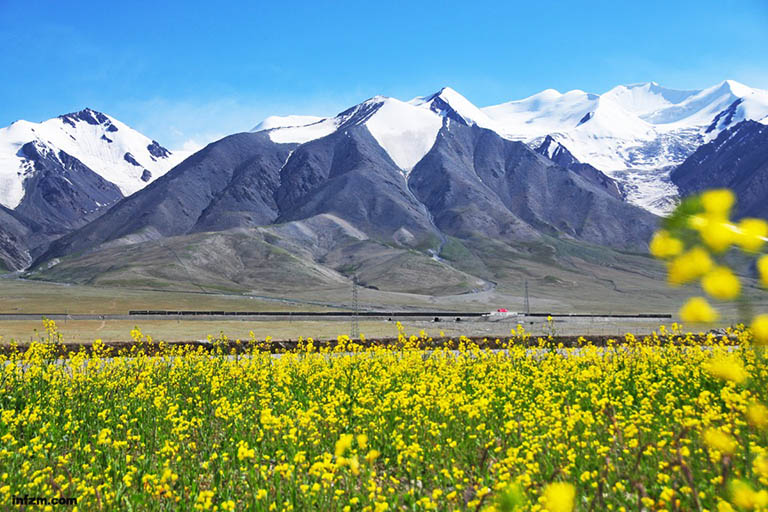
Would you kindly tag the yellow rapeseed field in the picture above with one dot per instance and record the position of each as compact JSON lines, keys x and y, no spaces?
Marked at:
{"x":653,"y":424}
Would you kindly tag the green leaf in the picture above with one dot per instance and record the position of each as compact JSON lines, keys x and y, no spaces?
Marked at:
{"x":678,"y":219}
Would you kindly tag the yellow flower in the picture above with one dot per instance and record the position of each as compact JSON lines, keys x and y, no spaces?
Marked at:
{"x":362,"y":441}
{"x":354,"y":465}
{"x":752,"y":234}
{"x":759,"y":329}
{"x":559,"y":497}
{"x":228,"y":506}
{"x":104,"y":436}
{"x":757,"y":415}
{"x":718,"y":234}
{"x":204,"y":500}
{"x":718,"y":440}
{"x":718,"y":201}
{"x":727,"y":367}
{"x":744,"y":497}
{"x":343,"y":444}
{"x":663,"y":245}
{"x":762,"y":269}
{"x":372,"y":456}
{"x":243,"y":452}
{"x":689,"y":266}
{"x":698,"y":310}
{"x":760,"y":465}
{"x":721,"y":283}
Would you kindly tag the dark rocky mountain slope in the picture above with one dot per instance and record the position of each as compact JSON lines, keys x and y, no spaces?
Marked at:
{"x":736,"y":159}
{"x":209,"y":191}
{"x":559,"y":154}
{"x":476,"y":183}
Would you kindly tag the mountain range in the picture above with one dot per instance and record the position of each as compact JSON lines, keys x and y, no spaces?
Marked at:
{"x":634,"y":133}
{"x":434,"y":190}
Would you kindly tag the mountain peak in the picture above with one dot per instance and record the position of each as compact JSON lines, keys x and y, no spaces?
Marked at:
{"x":545,"y":95}
{"x":112,"y":150}
{"x":448,"y":103}
{"x":737,"y":88}
{"x":90,"y":116}
{"x":448,"y":93}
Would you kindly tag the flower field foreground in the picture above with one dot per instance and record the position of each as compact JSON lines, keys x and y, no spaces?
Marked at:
{"x":645,"y":425}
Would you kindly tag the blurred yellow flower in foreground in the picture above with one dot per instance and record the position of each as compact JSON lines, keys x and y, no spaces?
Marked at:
{"x":757,"y":415}
{"x":718,"y":440}
{"x":689,"y":266}
{"x":718,"y":234}
{"x":718,"y":201}
{"x":759,"y":329}
{"x":663,"y":245}
{"x":721,"y":283}
{"x":752,"y":234}
{"x":745,"y":497}
{"x":698,"y":310}
{"x":559,"y":497}
{"x":727,"y":367}
{"x":762,"y":269}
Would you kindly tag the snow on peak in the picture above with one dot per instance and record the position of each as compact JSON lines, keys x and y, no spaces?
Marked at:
{"x":542,"y":114}
{"x":107,"y":146}
{"x":449,"y":103}
{"x":738,"y":89}
{"x":645,"y":98}
{"x":404,"y":130}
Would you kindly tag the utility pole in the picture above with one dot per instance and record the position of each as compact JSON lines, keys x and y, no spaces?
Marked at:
{"x":356,"y":305}
{"x":527,"y":302}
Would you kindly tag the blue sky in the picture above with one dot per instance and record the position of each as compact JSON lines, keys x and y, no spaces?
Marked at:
{"x":189,"y":72}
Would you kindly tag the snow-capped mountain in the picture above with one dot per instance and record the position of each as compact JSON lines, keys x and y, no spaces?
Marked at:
{"x":111,"y":149}
{"x":635,"y":133}
{"x":642,"y":126}
{"x":61,"y":174}
{"x":405,"y":130}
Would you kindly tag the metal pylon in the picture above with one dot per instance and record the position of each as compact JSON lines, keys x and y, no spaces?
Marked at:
{"x":356,"y":306}
{"x":527,"y":302}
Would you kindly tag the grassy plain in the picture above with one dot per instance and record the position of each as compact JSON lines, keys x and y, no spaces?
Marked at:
{"x":25,"y":296}
{"x":86,"y":331}
{"x":28,"y":296}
